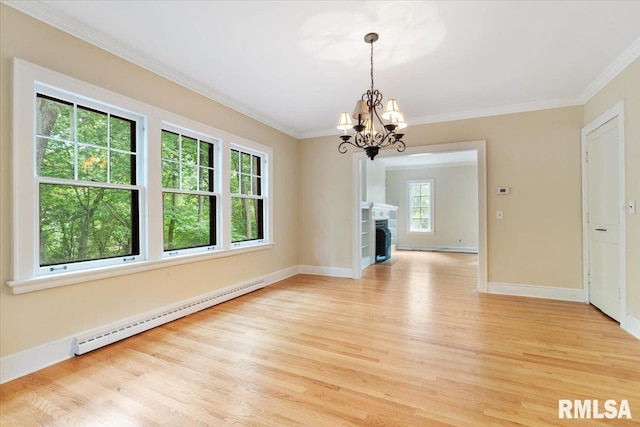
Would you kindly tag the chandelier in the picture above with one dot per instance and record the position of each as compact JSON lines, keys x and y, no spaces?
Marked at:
{"x":371,"y":131}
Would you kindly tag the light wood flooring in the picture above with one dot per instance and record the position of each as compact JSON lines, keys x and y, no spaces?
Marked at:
{"x":412,"y":343}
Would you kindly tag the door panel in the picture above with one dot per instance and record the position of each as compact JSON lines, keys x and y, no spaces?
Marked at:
{"x":603,"y":175}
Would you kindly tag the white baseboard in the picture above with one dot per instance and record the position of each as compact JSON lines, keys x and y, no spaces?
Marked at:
{"x":533,"y":291}
{"x":325,"y":271}
{"x":458,"y":249}
{"x":633,"y":326}
{"x":25,"y":362}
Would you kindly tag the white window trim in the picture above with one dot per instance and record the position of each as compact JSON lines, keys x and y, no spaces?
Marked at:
{"x":265,"y":153}
{"x":217,"y":166}
{"x":431,"y":182}
{"x":25,"y":206}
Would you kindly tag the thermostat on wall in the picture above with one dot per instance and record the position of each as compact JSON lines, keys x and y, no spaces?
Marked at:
{"x":502,"y":190}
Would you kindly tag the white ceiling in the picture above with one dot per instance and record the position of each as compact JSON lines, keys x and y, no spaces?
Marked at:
{"x":296,"y":64}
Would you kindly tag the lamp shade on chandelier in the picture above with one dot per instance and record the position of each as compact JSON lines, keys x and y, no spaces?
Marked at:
{"x":371,"y":130}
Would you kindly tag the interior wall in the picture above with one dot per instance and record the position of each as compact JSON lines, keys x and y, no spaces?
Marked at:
{"x":455,"y":206}
{"x":375,"y":179}
{"x":626,"y":87}
{"x":35,"y":318}
{"x":536,"y":153}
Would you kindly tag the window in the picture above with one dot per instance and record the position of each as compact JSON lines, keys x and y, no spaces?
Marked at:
{"x":105,"y":185}
{"x":86,"y":166}
{"x":189,"y":200}
{"x":247,"y":196}
{"x":421,"y":206}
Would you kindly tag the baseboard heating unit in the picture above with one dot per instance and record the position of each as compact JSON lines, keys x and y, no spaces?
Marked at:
{"x":115,"y":332}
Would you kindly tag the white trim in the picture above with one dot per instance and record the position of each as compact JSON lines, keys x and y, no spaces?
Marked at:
{"x":459,"y":249}
{"x":615,"y":112}
{"x":616,"y":67}
{"x":471,"y":114}
{"x":327,"y":271}
{"x":71,"y":278}
{"x":25,"y":362}
{"x":534,"y":291}
{"x":480,"y":147}
{"x":633,"y":326}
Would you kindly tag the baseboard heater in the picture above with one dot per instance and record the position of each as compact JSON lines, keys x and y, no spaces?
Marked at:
{"x":107,"y":335}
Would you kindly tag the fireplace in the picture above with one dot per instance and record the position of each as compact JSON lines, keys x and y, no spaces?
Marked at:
{"x":383,"y":240}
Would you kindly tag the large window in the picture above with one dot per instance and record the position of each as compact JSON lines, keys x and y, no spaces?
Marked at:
{"x":88,"y":202}
{"x":188,"y":197}
{"x":421,"y":206}
{"x":105,"y":185}
{"x":247,"y":196}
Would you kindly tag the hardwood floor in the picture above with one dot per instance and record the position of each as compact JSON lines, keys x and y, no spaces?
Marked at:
{"x":412,"y":343}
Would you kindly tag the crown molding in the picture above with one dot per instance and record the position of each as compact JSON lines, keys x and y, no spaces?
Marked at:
{"x":472,"y":114}
{"x":41,"y":11}
{"x":619,"y":64}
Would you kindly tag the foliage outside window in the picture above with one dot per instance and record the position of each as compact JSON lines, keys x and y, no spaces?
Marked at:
{"x":86,"y":168}
{"x":247,"y":197}
{"x":421,"y":206}
{"x":188,"y":199}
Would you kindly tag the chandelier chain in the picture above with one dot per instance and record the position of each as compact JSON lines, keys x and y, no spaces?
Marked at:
{"x":372,"y":66}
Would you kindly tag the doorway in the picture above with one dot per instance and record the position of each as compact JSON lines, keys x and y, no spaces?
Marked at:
{"x":358,"y":185}
{"x":604,"y":214}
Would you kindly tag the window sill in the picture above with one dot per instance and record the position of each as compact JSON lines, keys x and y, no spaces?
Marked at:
{"x":64,"y":279}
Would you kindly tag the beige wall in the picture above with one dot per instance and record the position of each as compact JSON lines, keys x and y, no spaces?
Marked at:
{"x":537,"y":154}
{"x":36,"y":318}
{"x":626,"y":86}
{"x":455,"y":206}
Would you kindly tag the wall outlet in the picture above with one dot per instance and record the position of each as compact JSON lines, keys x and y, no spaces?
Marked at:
{"x":499,"y":214}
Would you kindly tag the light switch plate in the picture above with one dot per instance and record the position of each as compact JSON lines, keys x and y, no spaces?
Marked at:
{"x":632,"y":206}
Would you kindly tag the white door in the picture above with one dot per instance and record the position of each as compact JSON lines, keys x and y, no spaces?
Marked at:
{"x":604,"y":205}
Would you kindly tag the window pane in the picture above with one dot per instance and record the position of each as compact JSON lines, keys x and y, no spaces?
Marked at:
{"x":54,"y":118}
{"x":424,"y":212}
{"x":246,"y":219}
{"x":424,"y":190}
{"x":121,"y":164}
{"x":415,"y":213}
{"x":189,"y":150}
{"x":235,"y":182}
{"x":187,"y":221}
{"x":86,"y":223}
{"x":424,"y":202}
{"x":189,"y":177}
{"x":92,"y":163}
{"x":170,"y":146}
{"x":92,"y":127}
{"x":206,"y":154}
{"x":246,"y":163}
{"x":170,"y":174}
{"x":122,"y":133}
{"x":246,"y":184}
{"x":415,"y":189}
{"x":424,"y":223}
{"x":235,"y":160}
{"x":415,"y":224}
{"x":256,"y":166}
{"x":257,"y":186}
{"x":206,"y":179}
{"x":55,"y":158}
